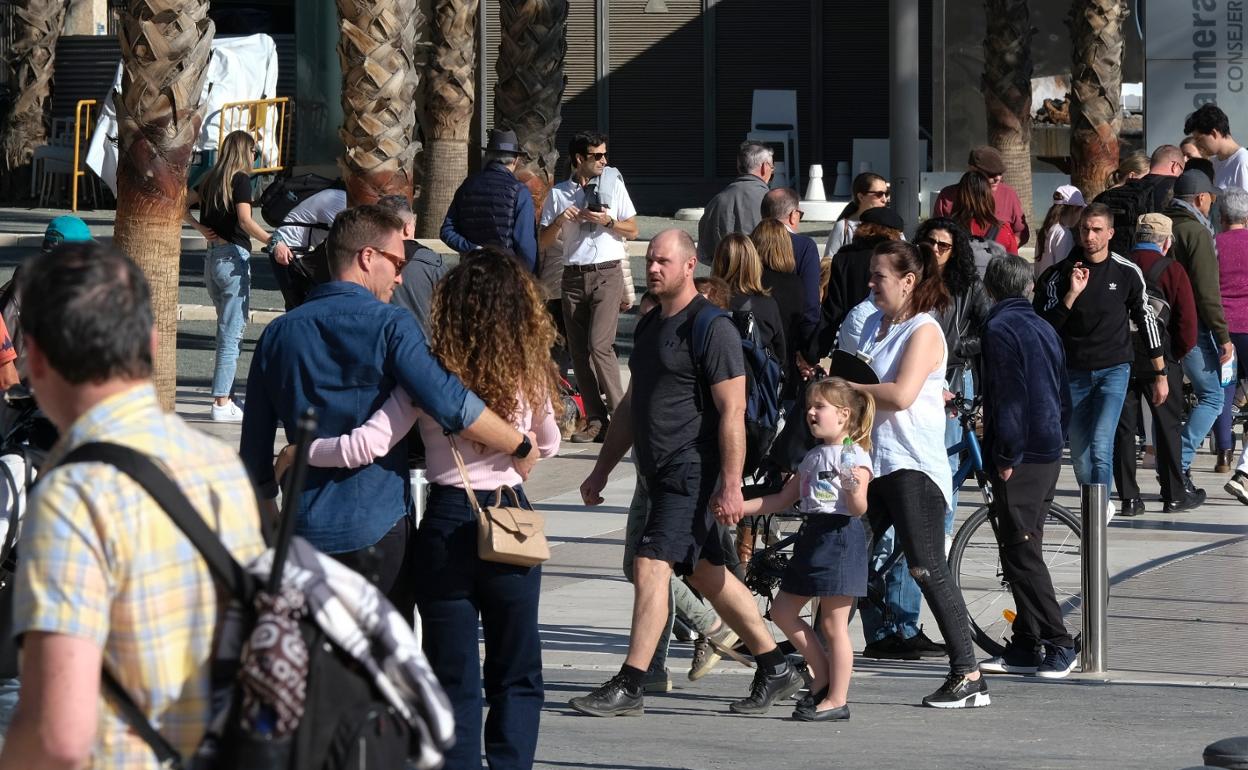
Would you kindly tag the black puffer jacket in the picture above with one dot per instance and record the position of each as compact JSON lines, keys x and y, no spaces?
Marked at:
{"x":847,"y":286}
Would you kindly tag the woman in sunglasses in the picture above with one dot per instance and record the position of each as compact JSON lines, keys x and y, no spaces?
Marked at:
{"x":869,"y":191}
{"x":224,"y":198}
{"x":962,"y":320}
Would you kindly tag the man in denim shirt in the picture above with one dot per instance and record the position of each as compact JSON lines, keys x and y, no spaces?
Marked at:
{"x":342,"y":353}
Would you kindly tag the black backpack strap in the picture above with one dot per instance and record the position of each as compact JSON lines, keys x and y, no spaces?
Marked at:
{"x":992,"y":233}
{"x":1154,"y":272}
{"x":165,"y":492}
{"x":221,"y":564}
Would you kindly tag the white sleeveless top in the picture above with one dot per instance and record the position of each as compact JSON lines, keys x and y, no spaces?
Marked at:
{"x":914,"y":438}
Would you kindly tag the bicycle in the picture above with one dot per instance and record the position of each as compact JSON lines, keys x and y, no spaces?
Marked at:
{"x":974,"y":557}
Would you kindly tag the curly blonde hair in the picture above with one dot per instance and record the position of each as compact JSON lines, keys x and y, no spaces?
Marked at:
{"x":489,"y":326}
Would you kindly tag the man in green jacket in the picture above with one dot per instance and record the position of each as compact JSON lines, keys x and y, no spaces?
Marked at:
{"x":1193,"y":248}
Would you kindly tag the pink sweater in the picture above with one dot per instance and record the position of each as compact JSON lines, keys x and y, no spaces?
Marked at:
{"x":486,"y":470}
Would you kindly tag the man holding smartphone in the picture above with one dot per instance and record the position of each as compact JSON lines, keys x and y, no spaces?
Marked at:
{"x":595,"y":216}
{"x":1091,"y":298}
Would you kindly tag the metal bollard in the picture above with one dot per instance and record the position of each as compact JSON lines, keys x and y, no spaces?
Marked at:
{"x":420,"y":488}
{"x":1094,"y":502}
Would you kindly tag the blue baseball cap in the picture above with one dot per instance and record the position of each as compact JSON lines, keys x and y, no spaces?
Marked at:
{"x":65,"y":229}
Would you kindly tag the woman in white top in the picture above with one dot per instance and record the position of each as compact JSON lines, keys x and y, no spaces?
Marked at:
{"x":906,"y":348}
{"x":1058,"y":228}
{"x":869,"y":191}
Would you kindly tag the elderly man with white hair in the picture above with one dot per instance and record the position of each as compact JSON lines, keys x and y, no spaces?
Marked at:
{"x":1232,"y":245}
{"x":738,"y":207}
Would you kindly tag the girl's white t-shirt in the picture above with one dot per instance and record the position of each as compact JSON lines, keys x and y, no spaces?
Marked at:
{"x":819,"y":476}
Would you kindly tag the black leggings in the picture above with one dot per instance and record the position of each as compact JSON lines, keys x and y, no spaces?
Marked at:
{"x":912,"y":503}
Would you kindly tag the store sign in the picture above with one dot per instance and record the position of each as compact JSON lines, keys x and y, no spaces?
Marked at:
{"x":1194,"y":51}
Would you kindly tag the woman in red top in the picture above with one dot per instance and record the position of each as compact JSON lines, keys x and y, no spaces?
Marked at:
{"x":975,"y":209}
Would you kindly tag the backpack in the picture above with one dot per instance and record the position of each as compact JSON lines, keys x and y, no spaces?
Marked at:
{"x":985,"y":248}
{"x":1127,"y":202}
{"x":763,"y":375}
{"x":286,"y":192}
{"x":350,"y":713}
{"x":1160,"y":308}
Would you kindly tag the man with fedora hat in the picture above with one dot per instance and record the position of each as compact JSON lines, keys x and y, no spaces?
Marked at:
{"x":988,"y":163}
{"x":492,"y":207}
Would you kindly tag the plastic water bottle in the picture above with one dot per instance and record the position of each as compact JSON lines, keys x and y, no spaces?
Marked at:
{"x":849,"y":482}
{"x":1228,"y":370}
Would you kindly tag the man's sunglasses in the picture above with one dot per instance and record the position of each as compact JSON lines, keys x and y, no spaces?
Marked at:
{"x":398,"y":262}
{"x":596,"y":155}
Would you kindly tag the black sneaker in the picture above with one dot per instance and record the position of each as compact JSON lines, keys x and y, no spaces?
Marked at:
{"x":1132,"y":507}
{"x":839,"y":714}
{"x":1058,"y":662}
{"x":1185,"y":503}
{"x":958,"y":692}
{"x":657,"y":680}
{"x":1014,"y":660}
{"x":767,"y":689}
{"x":890,"y":648}
{"x":1190,"y":486}
{"x":925,"y":647}
{"x":811,"y":699}
{"x":612,"y":699}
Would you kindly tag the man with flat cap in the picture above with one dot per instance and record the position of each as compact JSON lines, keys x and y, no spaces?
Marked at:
{"x":493,"y":207}
{"x":988,"y":163}
{"x":1194,"y":195}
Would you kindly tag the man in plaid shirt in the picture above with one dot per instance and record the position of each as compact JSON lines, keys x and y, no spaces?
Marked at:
{"x":105,"y":578}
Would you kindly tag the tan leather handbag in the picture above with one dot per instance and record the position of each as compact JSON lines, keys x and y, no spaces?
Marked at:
{"x":507,"y":534}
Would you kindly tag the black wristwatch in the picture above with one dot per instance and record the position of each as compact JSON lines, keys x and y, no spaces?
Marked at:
{"x":1160,"y":373}
{"x":525,"y":447}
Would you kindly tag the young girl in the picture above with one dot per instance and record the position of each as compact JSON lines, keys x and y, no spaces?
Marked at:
{"x":830,"y":557}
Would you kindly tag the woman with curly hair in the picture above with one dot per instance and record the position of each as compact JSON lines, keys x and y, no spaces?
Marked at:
{"x":489,"y":326}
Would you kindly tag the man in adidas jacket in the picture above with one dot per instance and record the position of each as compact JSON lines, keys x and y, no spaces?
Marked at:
{"x":1090,"y":298}
{"x":1153,"y":239}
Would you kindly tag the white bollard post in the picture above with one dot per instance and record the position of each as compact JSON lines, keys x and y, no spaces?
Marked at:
{"x":814,"y":188}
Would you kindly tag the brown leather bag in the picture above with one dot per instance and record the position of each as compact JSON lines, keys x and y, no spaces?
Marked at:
{"x":507,"y":534}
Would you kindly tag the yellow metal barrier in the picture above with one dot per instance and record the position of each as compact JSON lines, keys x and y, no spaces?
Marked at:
{"x":264,"y":119}
{"x":83,"y":125}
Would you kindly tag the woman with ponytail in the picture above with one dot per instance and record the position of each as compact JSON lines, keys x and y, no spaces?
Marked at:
{"x":905,"y":346}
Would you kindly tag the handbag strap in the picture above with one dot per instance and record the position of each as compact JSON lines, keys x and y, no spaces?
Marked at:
{"x":463,"y":473}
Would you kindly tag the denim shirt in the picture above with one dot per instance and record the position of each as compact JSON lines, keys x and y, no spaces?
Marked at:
{"x":342,"y":352}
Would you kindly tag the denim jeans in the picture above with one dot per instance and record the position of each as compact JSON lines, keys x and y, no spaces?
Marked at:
{"x":1225,"y":440}
{"x":1096,"y":397}
{"x":910,"y":501}
{"x":227,"y":274}
{"x":8,"y":704}
{"x":456,"y":592}
{"x":1203,"y":369}
{"x":902,"y":596}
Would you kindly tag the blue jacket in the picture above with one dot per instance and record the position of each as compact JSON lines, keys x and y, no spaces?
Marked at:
{"x":1025,"y":387}
{"x":342,"y":352}
{"x":807,"y":265}
{"x":492,"y":208}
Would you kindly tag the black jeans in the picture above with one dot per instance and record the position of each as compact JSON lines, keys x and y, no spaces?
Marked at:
{"x":388,"y":565}
{"x":1167,"y":438}
{"x":1021,"y":506}
{"x":912,"y":503}
{"x":457,"y":593}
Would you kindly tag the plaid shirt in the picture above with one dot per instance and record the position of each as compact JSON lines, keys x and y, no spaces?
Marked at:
{"x":101,"y":561}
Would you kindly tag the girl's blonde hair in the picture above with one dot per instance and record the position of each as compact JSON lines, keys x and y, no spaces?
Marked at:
{"x":775,"y":247}
{"x":861,"y":406}
{"x":237,"y":155}
{"x":737,"y":262}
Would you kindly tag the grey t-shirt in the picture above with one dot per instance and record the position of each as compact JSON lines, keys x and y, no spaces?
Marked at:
{"x":674,"y":415}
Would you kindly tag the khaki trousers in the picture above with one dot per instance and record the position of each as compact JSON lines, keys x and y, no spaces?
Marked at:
{"x":591,"y":316}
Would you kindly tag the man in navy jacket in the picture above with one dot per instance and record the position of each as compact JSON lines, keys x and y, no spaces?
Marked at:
{"x":1026,"y":413}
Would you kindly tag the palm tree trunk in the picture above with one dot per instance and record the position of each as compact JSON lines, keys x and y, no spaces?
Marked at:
{"x":377,"y":51}
{"x":165,"y":45}
{"x":448,"y":109}
{"x":528,"y":92}
{"x":32,"y":61}
{"x":1007,"y":90}
{"x":1096,"y":91}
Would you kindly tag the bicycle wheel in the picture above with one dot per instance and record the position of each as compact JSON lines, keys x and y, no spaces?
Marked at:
{"x":975,"y":562}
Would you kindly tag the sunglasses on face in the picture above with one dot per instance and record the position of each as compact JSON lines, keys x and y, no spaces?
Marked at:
{"x":879,"y":193}
{"x":395,"y":259}
{"x":596,"y":156}
{"x":939,"y":246}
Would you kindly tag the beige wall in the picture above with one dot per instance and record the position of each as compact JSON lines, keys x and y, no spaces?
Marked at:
{"x":87,"y":17}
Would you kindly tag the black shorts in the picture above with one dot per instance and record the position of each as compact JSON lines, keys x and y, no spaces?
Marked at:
{"x":680,"y":529}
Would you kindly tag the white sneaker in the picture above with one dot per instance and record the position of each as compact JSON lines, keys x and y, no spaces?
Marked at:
{"x":1110,"y":511}
{"x":228,"y":413}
